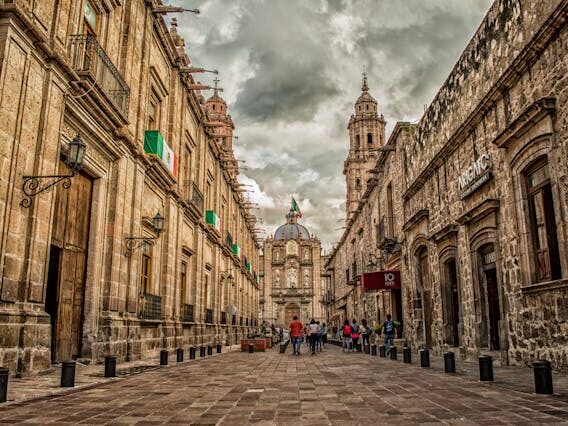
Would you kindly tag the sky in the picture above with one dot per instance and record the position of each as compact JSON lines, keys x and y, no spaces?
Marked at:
{"x":291,"y":72}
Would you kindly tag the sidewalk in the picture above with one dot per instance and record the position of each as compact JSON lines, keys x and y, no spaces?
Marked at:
{"x":89,"y":376}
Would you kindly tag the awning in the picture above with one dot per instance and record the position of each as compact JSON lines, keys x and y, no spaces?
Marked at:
{"x":381,"y":280}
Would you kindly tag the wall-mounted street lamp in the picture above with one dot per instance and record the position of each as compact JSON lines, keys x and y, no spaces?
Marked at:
{"x":134,"y":243}
{"x":228,"y":276}
{"x":373,"y":262}
{"x":33,"y":185}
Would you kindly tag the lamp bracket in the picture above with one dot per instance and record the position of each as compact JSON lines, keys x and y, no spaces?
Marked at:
{"x":134,"y":243}
{"x":33,"y":186}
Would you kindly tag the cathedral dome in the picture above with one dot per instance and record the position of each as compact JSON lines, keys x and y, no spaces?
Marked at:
{"x":291,"y":230}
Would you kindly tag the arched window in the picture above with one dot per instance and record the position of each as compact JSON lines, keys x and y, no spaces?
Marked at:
{"x":542,"y":221}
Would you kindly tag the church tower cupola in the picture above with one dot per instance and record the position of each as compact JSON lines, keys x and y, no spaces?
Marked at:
{"x":366,"y":135}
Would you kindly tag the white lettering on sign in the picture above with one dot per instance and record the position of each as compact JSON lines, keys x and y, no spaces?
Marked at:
{"x":489,"y":258}
{"x":475,"y":175}
{"x":389,"y":279}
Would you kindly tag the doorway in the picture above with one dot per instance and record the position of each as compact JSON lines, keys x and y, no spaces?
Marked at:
{"x":494,"y":308}
{"x":452,"y":307}
{"x":67,"y":266}
{"x":397,"y":310}
{"x":424,"y":293}
{"x":290,"y":312}
{"x":490,"y":305}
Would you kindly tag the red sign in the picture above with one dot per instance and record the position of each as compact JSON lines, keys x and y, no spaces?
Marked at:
{"x":381,"y":280}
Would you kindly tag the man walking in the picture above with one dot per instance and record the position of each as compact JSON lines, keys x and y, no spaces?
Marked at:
{"x":296,"y":334}
{"x":388,"y":331}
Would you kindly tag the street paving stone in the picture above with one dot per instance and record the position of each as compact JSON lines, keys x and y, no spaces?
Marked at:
{"x":330,"y":388}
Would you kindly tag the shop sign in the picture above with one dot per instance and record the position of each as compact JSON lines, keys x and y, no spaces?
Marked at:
{"x":475,"y":175}
{"x":381,"y":280}
{"x":489,"y":258}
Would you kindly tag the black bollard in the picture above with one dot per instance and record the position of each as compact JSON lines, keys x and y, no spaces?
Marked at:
{"x":392,"y":351}
{"x":251,"y":349}
{"x":4,"y":372}
{"x":542,"y":377}
{"x":373,"y":350}
{"x":202,"y":351}
{"x":219,"y":348}
{"x":282,"y":348}
{"x":163,"y":357}
{"x":209,"y":350}
{"x":367,"y":349}
{"x":449,"y":362}
{"x":424,"y":358}
{"x":110,"y":366}
{"x":68,"y":374}
{"x":179,"y":354}
{"x":192,"y":352}
{"x":485,"y":368}
{"x":382,"y":353}
{"x":407,"y":355}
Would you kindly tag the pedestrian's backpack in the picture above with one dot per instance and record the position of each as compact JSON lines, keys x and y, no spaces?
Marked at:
{"x":347,"y":330}
{"x":389,"y":327}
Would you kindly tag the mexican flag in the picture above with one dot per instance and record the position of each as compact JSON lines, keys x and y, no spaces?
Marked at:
{"x":295,"y":208}
{"x":154,"y":143}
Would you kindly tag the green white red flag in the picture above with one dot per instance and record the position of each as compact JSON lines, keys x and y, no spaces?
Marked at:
{"x":295,"y":208}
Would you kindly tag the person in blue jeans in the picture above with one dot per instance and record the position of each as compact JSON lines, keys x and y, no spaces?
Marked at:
{"x":388,"y":331}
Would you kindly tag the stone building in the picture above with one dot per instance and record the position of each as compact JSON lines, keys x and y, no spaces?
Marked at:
{"x":149,"y":245}
{"x":482,"y":181}
{"x":291,"y":275}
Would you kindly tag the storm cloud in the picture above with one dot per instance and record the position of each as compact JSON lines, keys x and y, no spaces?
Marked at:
{"x":291,"y":71}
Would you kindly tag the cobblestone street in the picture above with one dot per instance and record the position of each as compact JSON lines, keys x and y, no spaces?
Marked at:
{"x":270,"y":388}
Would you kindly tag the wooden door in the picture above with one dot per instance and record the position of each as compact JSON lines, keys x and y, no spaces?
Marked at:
{"x":71,"y":236}
{"x":494,"y":308}
{"x":289,"y":314}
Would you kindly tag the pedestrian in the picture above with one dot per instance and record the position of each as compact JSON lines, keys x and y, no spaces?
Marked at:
{"x":296,"y":335}
{"x":388,"y":331}
{"x":313,"y":331}
{"x":355,"y":334}
{"x":365,"y":333}
{"x":323,"y":335}
{"x":346,"y":337}
{"x":334,"y":332}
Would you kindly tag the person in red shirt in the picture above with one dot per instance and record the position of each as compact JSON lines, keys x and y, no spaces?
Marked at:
{"x":296,"y":329}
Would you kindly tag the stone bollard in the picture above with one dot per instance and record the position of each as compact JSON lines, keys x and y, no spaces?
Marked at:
{"x":407,"y":355}
{"x":219,"y":348}
{"x":485,"y":368}
{"x":382,"y":353}
{"x":4,"y":373}
{"x":542,"y":377}
{"x":392,"y":351}
{"x":251,"y":349}
{"x":110,"y":366}
{"x":424,"y":358}
{"x":192,"y":352}
{"x":202,"y":351}
{"x":163,"y":357}
{"x":209,"y":350}
{"x":68,"y":374}
{"x":449,"y":362}
{"x":179,"y":355}
{"x":373,"y":350}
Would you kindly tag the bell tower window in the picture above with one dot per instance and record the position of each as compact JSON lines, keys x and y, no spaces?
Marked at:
{"x":357,"y":141}
{"x":369,"y":138}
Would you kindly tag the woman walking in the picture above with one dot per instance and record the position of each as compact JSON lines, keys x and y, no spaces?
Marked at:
{"x":346,"y":336}
{"x":313,"y":331}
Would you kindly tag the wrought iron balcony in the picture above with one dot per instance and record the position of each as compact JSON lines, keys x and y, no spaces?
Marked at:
{"x":91,"y":62}
{"x":150,"y":307}
{"x":196,"y":197}
{"x":187,"y":313}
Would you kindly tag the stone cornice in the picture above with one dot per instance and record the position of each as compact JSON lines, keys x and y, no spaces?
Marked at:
{"x":415,"y":219}
{"x":478,"y":212}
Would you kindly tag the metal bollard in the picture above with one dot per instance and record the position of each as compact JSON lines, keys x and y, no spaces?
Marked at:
{"x":373,"y":350}
{"x":251,"y":349}
{"x":219,"y":347}
{"x":4,"y":372}
{"x":179,"y":354}
{"x":209,"y":350}
{"x":68,"y":374}
{"x":392,"y":351}
{"x":382,"y":353}
{"x":449,"y":362}
{"x":542,"y":377}
{"x":367,"y":349}
{"x":407,"y":355}
{"x":110,"y":366}
{"x":424,"y":358}
{"x":202,"y":351}
{"x":192,"y":352}
{"x":485,"y":368}
{"x":163,"y":357}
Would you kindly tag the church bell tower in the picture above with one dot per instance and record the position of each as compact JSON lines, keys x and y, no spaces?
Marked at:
{"x":366,"y":135}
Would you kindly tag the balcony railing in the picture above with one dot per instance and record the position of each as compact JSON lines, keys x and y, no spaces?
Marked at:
{"x":90,"y":60}
{"x":151,"y":307}
{"x":187,"y":313}
{"x":195,"y":196}
{"x":209,"y":316}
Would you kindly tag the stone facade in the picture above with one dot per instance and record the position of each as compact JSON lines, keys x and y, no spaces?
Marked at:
{"x":483,"y":189}
{"x":291,"y":275}
{"x":85,"y":273}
